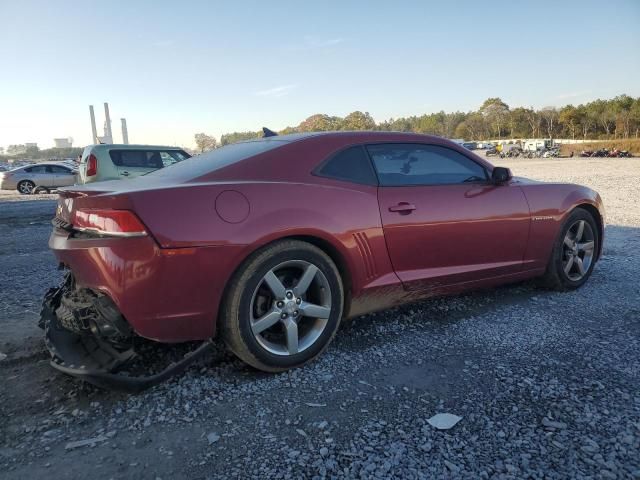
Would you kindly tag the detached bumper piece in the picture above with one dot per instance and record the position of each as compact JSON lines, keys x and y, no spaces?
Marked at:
{"x":78,"y":349}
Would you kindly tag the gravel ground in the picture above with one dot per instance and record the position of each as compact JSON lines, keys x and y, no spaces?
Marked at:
{"x":14,"y":196}
{"x":547,"y":384}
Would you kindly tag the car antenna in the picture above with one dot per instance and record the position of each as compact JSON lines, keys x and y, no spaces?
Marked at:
{"x":268,"y":133}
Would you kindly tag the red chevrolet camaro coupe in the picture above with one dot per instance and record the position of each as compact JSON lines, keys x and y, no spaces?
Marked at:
{"x":270,"y":243}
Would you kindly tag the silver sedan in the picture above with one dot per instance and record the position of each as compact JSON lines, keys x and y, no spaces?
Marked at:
{"x":38,"y":178}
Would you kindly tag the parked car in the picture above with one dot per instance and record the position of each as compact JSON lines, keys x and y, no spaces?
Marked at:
{"x":39,"y":178}
{"x":271,"y":243}
{"x":113,"y":162}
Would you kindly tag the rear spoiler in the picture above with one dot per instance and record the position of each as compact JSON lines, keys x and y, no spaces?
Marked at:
{"x":268,"y":133}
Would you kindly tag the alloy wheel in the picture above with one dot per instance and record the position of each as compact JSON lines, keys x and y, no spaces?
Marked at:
{"x":26,"y":188}
{"x":578,"y":250}
{"x":290,"y":307}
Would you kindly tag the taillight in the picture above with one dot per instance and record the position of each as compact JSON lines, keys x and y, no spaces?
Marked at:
{"x":92,"y":165}
{"x":114,"y":223}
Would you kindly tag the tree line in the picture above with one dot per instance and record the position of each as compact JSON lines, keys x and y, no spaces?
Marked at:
{"x":35,"y":153}
{"x":616,"y":118}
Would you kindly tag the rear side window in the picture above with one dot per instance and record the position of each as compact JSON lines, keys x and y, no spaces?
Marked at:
{"x":146,"y":158}
{"x":351,"y":165}
{"x":58,"y":169}
{"x":36,"y":169}
{"x":169,"y":157}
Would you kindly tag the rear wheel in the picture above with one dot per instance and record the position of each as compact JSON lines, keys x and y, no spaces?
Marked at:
{"x":26,"y":187}
{"x":283,"y":306}
{"x":574,"y":253}
{"x":37,"y":190}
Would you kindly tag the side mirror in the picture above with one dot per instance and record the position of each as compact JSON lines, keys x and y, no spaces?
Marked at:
{"x":500,"y":175}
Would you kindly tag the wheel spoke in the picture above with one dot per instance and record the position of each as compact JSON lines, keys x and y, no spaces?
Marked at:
{"x":567,"y":267}
{"x":580,"y":265}
{"x":586,"y":246}
{"x":314,"y":311}
{"x":580,"y":231}
{"x":306,"y":279}
{"x":292,"y":335}
{"x":266,"y":321}
{"x":568,"y":241}
{"x":275,"y":285}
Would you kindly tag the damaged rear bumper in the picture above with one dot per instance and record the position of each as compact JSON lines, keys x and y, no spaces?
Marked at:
{"x":90,"y":340}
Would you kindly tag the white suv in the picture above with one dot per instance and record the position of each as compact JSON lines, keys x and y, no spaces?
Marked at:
{"x":113,"y":162}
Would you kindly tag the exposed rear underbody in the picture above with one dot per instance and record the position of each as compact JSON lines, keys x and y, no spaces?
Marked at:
{"x":88,"y":337}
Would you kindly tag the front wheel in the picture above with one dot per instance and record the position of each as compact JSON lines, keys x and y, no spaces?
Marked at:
{"x":574,"y":253}
{"x":283,"y":306}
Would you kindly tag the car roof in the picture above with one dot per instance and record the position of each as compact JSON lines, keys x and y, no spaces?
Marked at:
{"x":350,"y":135}
{"x":44,"y":163}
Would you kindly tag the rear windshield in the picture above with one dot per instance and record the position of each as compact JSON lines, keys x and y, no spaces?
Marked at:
{"x":219,"y":158}
{"x":147,"y":158}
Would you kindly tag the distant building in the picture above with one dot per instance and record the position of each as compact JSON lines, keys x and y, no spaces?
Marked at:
{"x":63,"y":142}
{"x":31,"y":145}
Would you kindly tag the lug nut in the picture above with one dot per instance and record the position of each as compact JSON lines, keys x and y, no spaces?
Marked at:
{"x":280,"y":304}
{"x":289,"y":295}
{"x":295,"y":313}
{"x":298,"y":301}
{"x":283,"y":316}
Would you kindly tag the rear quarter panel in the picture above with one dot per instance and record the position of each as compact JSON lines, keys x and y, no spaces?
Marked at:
{"x":346,"y":218}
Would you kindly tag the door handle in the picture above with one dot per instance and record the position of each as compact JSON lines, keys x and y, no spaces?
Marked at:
{"x":403,"y":207}
{"x":125,"y":174}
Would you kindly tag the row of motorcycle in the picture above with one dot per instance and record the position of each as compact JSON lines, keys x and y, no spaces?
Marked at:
{"x":605,"y":152}
{"x":518,"y":152}
{"x":554,"y":152}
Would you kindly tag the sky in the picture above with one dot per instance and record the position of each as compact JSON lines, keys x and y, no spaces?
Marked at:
{"x":173,"y":69}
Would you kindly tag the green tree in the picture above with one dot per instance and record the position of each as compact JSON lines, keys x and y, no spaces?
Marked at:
{"x":496,"y":112}
{"x":589,"y":120}
{"x":428,"y":124}
{"x":235,"y":137}
{"x":550,"y":118}
{"x":533,"y":119}
{"x":603,"y":113}
{"x":205,"y":142}
{"x":622,"y":105}
{"x":358,"y":121}
{"x":518,"y":123}
{"x":634,"y":117}
{"x":319,"y":123}
{"x":569,"y":117}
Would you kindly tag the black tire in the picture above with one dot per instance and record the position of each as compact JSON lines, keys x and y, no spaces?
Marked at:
{"x":555,"y":276}
{"x":25,"y":187}
{"x":236,"y":311}
{"x":38,"y":190}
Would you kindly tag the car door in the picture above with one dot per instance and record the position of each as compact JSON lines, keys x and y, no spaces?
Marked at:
{"x":63,"y":176}
{"x":39,"y":175}
{"x":444,"y":222}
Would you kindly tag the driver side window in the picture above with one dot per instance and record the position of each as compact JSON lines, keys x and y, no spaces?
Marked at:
{"x":416,"y":164}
